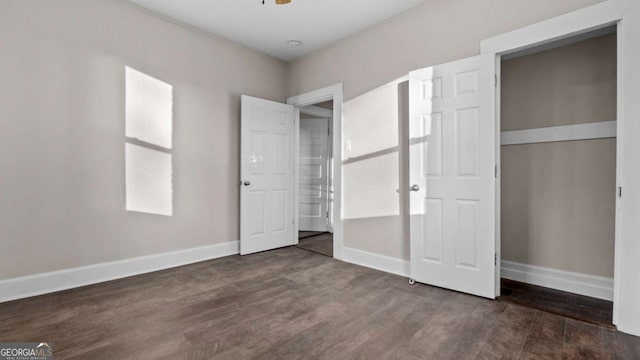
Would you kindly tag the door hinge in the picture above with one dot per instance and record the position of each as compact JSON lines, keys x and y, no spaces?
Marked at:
{"x":496,"y":171}
{"x":495,"y":259}
{"x":619,"y":192}
{"x":495,"y":77}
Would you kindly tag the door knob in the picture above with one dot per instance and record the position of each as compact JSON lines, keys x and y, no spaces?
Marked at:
{"x":247,"y":183}
{"x":415,"y":187}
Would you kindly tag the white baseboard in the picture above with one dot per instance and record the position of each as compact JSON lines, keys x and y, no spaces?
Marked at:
{"x":376,"y":261}
{"x":588,"y":285}
{"x":33,"y":285}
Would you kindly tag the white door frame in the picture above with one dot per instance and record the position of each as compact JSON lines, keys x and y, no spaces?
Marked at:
{"x":316,"y":111}
{"x":591,"y":18}
{"x":334,"y":93}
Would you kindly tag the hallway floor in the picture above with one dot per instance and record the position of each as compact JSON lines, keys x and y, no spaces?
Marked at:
{"x":318,"y":242}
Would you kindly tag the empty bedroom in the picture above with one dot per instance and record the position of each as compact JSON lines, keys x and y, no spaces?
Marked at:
{"x":319,"y":179}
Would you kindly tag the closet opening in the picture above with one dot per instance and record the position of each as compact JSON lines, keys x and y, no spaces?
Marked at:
{"x":558,"y":176}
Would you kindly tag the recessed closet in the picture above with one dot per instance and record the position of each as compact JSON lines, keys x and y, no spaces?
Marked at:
{"x":558,"y":108}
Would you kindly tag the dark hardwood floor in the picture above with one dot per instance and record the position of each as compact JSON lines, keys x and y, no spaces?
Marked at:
{"x":584,"y":308}
{"x":295,"y":304}
{"x":321,"y":243}
{"x":306,"y":234}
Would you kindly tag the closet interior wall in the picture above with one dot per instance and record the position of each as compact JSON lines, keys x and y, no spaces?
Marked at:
{"x":558,"y":198}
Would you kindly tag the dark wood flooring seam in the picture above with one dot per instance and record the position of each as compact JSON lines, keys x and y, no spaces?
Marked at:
{"x":529,"y":333}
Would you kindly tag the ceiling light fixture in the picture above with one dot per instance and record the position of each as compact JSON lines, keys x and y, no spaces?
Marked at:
{"x":295,"y":43}
{"x":280,"y":2}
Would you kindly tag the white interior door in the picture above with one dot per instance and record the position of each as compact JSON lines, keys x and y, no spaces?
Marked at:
{"x":452,"y":175}
{"x":313,"y":174}
{"x":267,"y":175}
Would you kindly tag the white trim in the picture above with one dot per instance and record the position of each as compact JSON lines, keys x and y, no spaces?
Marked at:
{"x":598,"y":130}
{"x":620,"y":140}
{"x":498,"y":169}
{"x":591,"y":18}
{"x":335,"y":93}
{"x":376,"y":261}
{"x":598,"y":16}
{"x":316,"y":111}
{"x":561,"y":43}
{"x":296,"y":171}
{"x":39,"y":284}
{"x":587,"y":285}
{"x":316,"y":96}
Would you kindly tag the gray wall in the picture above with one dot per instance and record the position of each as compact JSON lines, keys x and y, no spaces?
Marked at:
{"x":558,"y":199}
{"x":62,"y":124}
{"x":373,"y":207}
{"x":435,"y":32}
{"x":432,"y":33}
{"x":62,"y":132}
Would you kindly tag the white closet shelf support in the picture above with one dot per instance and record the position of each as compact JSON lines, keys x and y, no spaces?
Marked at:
{"x":587,"y":131}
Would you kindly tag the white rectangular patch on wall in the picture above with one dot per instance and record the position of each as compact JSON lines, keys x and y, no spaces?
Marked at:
{"x":149,"y":109}
{"x":148,"y":180}
{"x":148,"y":148}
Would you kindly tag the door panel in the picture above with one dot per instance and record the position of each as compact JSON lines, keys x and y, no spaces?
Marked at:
{"x":267,"y":173}
{"x":452,"y":160}
{"x":313,"y":181}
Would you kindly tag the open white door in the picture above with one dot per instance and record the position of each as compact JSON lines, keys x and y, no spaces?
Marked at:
{"x":452,"y":175}
{"x":267,"y":175}
{"x":313,"y":209}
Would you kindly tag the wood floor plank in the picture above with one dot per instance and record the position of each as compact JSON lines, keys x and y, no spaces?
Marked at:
{"x":546,"y":337}
{"x":619,"y":346}
{"x":579,"y":307}
{"x":582,"y":341}
{"x":506,"y":336}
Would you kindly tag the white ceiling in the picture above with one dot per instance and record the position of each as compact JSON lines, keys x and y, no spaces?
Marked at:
{"x":267,"y":28}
